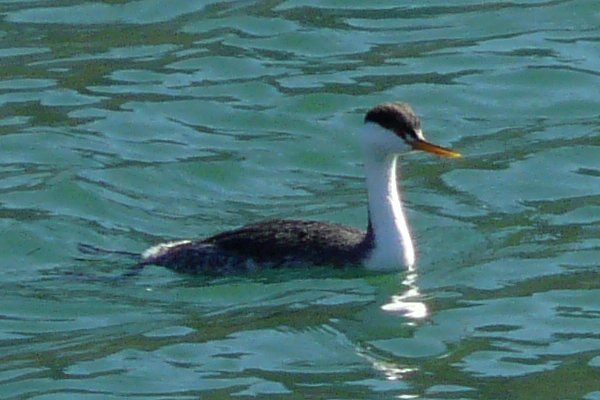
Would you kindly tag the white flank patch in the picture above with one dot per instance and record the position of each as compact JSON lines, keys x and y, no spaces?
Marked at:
{"x":160,"y":249}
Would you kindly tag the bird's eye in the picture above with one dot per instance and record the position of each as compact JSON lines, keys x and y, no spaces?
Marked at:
{"x":418,"y":134}
{"x":411,"y":136}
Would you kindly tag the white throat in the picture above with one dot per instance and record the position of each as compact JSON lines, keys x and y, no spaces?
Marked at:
{"x":393,"y":244}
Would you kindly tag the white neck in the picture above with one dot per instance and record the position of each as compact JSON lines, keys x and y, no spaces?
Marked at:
{"x":393,"y":244}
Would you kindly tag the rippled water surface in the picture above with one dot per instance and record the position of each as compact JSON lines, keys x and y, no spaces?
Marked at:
{"x":125,"y":123}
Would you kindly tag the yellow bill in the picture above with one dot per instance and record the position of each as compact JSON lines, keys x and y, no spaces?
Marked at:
{"x":434,"y":149}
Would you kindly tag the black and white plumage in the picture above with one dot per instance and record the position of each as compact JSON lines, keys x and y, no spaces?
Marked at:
{"x":269,"y":244}
{"x":390,"y":129}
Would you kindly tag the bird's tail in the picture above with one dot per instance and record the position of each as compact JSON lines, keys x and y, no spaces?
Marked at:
{"x":95,"y":251}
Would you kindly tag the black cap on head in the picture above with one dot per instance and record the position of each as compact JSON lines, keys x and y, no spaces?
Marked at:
{"x":397,"y":117}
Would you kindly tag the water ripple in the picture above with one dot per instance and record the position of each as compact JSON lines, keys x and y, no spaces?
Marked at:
{"x":126,"y":123}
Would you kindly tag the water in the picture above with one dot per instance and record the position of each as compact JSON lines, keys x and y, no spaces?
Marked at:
{"x":126,"y":123}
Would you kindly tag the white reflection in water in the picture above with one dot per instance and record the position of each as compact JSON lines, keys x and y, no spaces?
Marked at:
{"x":390,"y":369}
{"x":409,"y":303}
{"x":393,"y":372}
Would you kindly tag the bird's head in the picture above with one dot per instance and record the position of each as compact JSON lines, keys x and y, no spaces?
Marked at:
{"x":393,"y":128}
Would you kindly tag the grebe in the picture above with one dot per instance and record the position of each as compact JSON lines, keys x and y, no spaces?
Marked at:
{"x":390,"y":129}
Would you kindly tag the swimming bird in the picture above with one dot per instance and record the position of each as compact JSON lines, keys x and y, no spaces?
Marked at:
{"x":389,"y":130}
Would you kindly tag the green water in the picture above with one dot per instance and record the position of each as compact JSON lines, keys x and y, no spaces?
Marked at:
{"x":126,"y":123}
